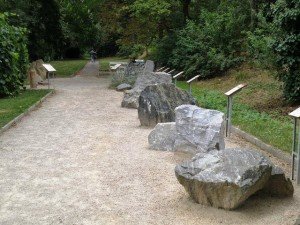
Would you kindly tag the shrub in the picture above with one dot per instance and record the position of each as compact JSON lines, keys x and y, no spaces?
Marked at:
{"x":13,"y":57}
{"x":286,"y":15}
{"x":212,"y":46}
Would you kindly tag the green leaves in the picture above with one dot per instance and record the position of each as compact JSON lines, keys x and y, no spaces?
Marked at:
{"x":13,"y":57}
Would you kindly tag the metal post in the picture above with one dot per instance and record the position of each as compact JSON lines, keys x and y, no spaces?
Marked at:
{"x":190,"y":88}
{"x":294,"y":148}
{"x":48,"y":74}
{"x":229,"y":115}
{"x":298,"y":154}
{"x":175,"y":82}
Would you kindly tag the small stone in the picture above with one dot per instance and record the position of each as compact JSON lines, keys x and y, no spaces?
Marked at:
{"x":123,"y":87}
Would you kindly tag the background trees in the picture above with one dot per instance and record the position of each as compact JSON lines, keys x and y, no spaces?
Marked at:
{"x":205,"y":37}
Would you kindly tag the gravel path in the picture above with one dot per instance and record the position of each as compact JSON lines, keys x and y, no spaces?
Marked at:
{"x":82,"y":159}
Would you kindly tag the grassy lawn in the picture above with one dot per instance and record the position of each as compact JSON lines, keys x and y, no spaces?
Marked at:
{"x":258,"y":109}
{"x":104,"y":62}
{"x":66,"y":68}
{"x":12,"y":107}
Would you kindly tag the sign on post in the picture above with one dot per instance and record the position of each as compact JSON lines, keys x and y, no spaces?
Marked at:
{"x":296,"y":146}
{"x":230,"y":95}
{"x":160,"y":69}
{"x":176,"y":76}
{"x":50,"y":69}
{"x":190,"y":82}
{"x":165,"y":70}
{"x":115,"y":67}
{"x":171,"y":71}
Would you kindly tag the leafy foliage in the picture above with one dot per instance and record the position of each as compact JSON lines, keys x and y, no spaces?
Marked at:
{"x":13,"y":57}
{"x":287,"y":46}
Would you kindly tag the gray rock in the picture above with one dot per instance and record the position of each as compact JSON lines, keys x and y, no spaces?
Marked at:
{"x":224,"y":179}
{"x":149,"y":66}
{"x":157,"y":103}
{"x":131,"y":97}
{"x":279,"y":185}
{"x":203,"y":128}
{"x":123,"y":87}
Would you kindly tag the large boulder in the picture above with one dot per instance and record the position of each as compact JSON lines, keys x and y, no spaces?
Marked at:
{"x":131,"y":97}
{"x":224,"y":179}
{"x":157,"y":103}
{"x":203,"y":128}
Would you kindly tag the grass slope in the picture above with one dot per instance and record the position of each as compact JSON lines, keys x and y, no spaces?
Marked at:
{"x":13,"y":107}
{"x":258,"y":109}
{"x":66,"y":68}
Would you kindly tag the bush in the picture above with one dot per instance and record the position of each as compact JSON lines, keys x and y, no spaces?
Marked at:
{"x":212,"y":46}
{"x":286,"y":15}
{"x":13,"y":57}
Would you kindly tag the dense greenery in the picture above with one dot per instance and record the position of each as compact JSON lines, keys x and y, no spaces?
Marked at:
{"x":13,"y":57}
{"x":199,"y":36}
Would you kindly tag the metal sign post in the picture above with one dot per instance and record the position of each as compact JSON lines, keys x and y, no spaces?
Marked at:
{"x":50,"y":69}
{"x":296,"y":146}
{"x":230,"y":95}
{"x":176,"y":76}
{"x":190,"y":83}
{"x":160,"y":69}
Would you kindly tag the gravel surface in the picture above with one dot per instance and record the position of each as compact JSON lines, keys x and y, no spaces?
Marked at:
{"x":82,"y":159}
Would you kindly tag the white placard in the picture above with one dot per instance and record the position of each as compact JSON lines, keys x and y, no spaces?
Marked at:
{"x":194,"y":78}
{"x":295,"y":113}
{"x":115,"y":66}
{"x":178,"y":74}
{"x":165,"y":70}
{"x":160,"y":69}
{"x":171,"y":71}
{"x":49,"y":68}
{"x":235,"y":89}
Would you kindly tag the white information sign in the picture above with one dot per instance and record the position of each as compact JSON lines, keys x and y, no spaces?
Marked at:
{"x":49,"y":68}
{"x":295,"y":113}
{"x":194,"y":78}
{"x":178,"y":74}
{"x":235,"y":89}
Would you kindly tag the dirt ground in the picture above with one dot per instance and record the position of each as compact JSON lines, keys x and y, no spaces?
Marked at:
{"x":82,"y":159}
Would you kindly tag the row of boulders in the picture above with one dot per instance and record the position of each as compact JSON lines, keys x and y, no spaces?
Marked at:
{"x":215,"y":176}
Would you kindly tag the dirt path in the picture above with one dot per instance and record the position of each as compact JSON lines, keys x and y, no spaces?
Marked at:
{"x":82,"y":159}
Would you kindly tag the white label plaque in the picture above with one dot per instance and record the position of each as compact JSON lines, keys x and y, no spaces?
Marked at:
{"x":194,"y":78}
{"x":235,"y":89}
{"x":49,"y":68}
{"x":295,"y":113}
{"x":178,"y":74}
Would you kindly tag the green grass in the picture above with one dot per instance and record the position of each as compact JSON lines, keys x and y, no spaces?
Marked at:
{"x":266,"y":123}
{"x":14,"y":106}
{"x":66,"y":68}
{"x":104,"y":62}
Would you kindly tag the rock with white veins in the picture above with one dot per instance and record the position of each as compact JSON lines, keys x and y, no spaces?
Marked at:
{"x":203,"y":128}
{"x":224,"y":179}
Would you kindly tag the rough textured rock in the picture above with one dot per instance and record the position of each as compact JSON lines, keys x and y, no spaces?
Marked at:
{"x":224,"y":179}
{"x":40,"y":73}
{"x":123,"y":87}
{"x":131,"y":97}
{"x":203,"y":128}
{"x":279,"y":185}
{"x":157,"y":103}
{"x":149,"y":66}
{"x":166,"y":138}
